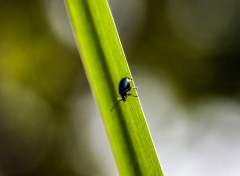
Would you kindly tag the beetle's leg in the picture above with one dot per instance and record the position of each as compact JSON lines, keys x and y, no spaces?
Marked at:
{"x":132,"y":95}
{"x":133,"y":87}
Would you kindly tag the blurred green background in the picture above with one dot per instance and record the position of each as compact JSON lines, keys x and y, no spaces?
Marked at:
{"x":185,"y":59}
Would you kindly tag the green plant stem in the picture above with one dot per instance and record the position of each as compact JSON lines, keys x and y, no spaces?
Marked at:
{"x":105,"y":65}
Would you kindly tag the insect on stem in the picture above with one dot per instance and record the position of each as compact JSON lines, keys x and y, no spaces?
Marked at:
{"x":124,"y":87}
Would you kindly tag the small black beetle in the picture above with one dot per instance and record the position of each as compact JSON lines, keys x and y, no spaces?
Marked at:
{"x":124,"y":87}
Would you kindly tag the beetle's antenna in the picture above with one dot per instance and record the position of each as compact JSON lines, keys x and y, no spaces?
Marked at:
{"x":116,"y":104}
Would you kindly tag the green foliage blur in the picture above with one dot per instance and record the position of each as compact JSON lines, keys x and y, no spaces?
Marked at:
{"x":195,"y":46}
{"x":38,"y":75}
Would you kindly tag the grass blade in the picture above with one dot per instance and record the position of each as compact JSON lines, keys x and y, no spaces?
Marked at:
{"x":105,"y":65}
